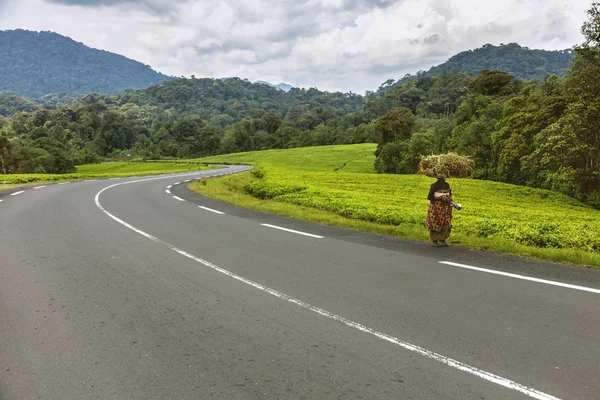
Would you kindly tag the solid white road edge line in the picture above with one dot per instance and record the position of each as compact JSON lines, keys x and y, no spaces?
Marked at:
{"x":39,"y":187}
{"x":523,"y":277}
{"x":507,"y":383}
{"x":90,"y":180}
{"x":178,"y":198}
{"x":168,"y":191}
{"x":211,"y":210}
{"x":293,"y":231}
{"x":16,"y":193}
{"x":63,"y":183}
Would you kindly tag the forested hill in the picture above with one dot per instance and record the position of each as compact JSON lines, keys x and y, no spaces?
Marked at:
{"x":217,"y":101}
{"x":231,"y":100}
{"x":35,"y":64}
{"x":521,"y":62}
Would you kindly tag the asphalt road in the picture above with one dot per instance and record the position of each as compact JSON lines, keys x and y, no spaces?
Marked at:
{"x":118,"y":289}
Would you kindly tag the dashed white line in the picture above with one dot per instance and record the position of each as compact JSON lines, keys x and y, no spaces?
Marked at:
{"x":1,"y":200}
{"x":178,"y":198}
{"x":63,"y":183}
{"x":523,"y":277}
{"x":211,"y":210}
{"x":176,"y":183}
{"x":188,"y":180}
{"x":169,"y":187}
{"x":39,"y":187}
{"x":16,"y":193}
{"x":487,"y":376}
{"x":90,"y":180}
{"x":293,"y":231}
{"x":168,"y":191}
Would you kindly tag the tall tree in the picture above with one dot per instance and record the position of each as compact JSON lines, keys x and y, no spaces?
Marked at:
{"x":397,"y":124}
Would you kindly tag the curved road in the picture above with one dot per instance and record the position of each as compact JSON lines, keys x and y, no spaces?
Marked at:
{"x":138,"y":288}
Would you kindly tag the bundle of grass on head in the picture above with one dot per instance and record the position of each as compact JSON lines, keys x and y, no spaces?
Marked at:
{"x":450,"y":165}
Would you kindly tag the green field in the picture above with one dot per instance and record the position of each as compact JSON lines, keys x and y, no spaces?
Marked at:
{"x":336,"y":185}
{"x":104,"y":170}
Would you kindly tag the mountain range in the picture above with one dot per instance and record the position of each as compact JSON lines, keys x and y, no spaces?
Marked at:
{"x":36,"y":64}
{"x":519,"y":61}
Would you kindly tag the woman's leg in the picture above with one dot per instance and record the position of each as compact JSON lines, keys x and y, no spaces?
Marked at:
{"x":445,"y":234}
{"x":434,"y":236}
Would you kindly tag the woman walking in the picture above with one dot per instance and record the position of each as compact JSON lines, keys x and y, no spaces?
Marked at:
{"x":439,"y":215}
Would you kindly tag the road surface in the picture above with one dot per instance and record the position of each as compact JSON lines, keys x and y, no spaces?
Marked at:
{"x":139,"y":288}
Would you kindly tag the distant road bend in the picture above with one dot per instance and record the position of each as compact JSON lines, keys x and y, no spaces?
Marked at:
{"x":138,"y":288}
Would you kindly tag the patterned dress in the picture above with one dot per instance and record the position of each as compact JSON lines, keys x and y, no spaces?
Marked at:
{"x":439,"y":218}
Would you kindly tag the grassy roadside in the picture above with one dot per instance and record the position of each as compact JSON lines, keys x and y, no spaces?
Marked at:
{"x":101,"y":171}
{"x":559,"y":229}
{"x":231,"y":190}
{"x":7,"y":186}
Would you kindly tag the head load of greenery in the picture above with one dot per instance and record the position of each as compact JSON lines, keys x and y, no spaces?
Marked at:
{"x":450,"y":165}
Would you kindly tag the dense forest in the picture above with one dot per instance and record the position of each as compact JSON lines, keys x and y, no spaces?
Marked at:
{"x":11,"y":103}
{"x":180,"y":118}
{"x":521,"y":62}
{"x":35,"y":64}
{"x":541,"y":133}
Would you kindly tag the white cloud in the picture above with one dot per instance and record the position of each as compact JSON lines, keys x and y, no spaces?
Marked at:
{"x":330,"y":44}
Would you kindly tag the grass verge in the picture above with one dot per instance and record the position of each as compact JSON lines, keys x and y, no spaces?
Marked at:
{"x":100,"y":171}
{"x":497,"y":217}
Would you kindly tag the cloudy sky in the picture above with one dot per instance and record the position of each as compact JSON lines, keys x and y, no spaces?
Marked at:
{"x":330,"y":44}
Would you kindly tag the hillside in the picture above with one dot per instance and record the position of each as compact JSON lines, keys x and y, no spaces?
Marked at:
{"x":232,"y":99}
{"x":11,"y":103}
{"x":337,"y":185}
{"x":522,"y":62}
{"x":35,"y":64}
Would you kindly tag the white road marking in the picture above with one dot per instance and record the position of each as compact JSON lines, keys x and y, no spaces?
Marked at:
{"x":178,"y":198}
{"x":211,"y":210}
{"x":113,"y":178}
{"x":168,"y":191}
{"x":16,"y":193}
{"x":39,"y":187}
{"x":523,"y":277}
{"x":63,"y":183}
{"x":176,"y":183}
{"x":1,"y":200}
{"x":169,"y":187}
{"x":90,"y":180}
{"x":187,"y":180}
{"x":507,"y":383}
{"x":293,"y":231}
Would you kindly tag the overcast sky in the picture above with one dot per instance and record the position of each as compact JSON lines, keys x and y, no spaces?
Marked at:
{"x":346,"y":45}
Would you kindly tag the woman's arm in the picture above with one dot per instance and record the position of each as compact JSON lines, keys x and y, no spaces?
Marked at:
{"x":431,"y":196}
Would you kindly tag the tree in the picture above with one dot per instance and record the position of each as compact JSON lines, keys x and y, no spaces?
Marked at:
{"x":396,"y":124}
{"x":4,"y":152}
{"x":567,"y":154}
{"x":390,"y":157}
{"x":591,"y":32}
{"x":491,"y":83}
{"x":474,"y":139}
